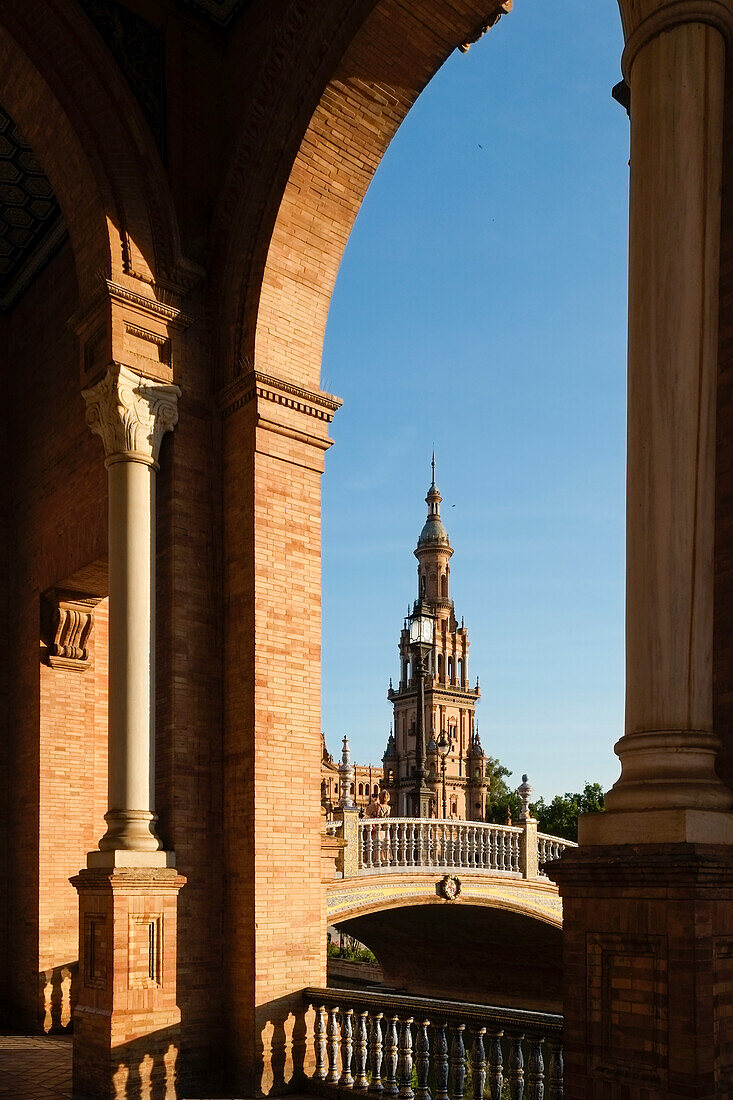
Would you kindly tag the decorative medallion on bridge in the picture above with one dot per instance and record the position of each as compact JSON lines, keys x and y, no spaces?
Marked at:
{"x":449,"y":887}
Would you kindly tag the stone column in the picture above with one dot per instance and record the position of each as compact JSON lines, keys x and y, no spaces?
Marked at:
{"x":131,"y":413}
{"x":127,"y":1021}
{"x":674,"y":63}
{"x":647,"y":913}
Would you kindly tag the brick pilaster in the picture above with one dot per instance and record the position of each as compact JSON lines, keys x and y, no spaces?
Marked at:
{"x":274,"y":438}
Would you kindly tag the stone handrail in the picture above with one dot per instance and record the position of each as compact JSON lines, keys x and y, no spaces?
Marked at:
{"x":387,"y":1044}
{"x":396,"y":843}
{"x":378,"y":845}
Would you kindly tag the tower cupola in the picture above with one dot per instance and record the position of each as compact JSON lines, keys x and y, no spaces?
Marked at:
{"x":433,"y":533}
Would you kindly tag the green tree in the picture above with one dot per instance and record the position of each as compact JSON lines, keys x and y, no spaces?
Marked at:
{"x":560,"y":816}
{"x":501,"y":799}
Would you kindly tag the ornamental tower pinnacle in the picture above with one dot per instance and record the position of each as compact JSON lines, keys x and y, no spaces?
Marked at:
{"x":449,"y":700}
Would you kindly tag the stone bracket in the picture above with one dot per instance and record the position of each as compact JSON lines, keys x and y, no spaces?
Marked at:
{"x":66,"y":628}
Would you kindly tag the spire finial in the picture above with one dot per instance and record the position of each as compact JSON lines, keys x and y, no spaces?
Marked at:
{"x":433,"y":464}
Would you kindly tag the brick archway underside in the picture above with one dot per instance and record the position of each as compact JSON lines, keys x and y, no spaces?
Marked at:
{"x":467,"y":953}
{"x":277,"y":291}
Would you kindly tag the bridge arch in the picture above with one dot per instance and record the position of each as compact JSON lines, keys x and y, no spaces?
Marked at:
{"x":470,"y":951}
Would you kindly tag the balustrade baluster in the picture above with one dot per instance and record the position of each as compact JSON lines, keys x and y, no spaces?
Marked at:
{"x":478,"y":1063}
{"x":346,"y":1081}
{"x":363,"y":857}
{"x":375,"y":1051}
{"x":441,"y":1061}
{"x":374,"y":834}
{"x":535,"y":1070}
{"x":556,"y":1072}
{"x":496,"y":1065}
{"x":457,"y":1063}
{"x":319,"y":1032}
{"x":332,"y":1045}
{"x":425,"y":828}
{"x":422,"y":1061}
{"x":409,"y":844}
{"x":361,"y":1081}
{"x":390,"y":1057}
{"x":480,"y":847}
{"x":517,"y":860}
{"x":431,"y":861}
{"x":515,"y":1068}
{"x":405,"y":1060}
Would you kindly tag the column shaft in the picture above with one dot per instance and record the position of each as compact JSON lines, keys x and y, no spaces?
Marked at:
{"x":131,"y":635}
{"x":668,"y":751}
{"x":131,"y":413}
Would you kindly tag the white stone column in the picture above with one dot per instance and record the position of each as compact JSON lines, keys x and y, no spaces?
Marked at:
{"x":674,"y":64}
{"x":131,"y":414}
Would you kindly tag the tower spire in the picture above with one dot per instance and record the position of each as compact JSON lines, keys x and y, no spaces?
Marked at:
{"x":433,"y":465}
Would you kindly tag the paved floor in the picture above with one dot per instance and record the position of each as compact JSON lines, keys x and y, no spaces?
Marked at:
{"x":35,"y":1067}
{"x":38,"y":1067}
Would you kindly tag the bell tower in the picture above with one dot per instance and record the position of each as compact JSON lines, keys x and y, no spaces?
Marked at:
{"x":449,"y":700}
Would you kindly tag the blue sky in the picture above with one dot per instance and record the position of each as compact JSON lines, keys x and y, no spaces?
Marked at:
{"x":481,"y":306}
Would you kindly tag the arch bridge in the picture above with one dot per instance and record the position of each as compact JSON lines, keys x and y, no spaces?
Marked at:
{"x":485,"y":888}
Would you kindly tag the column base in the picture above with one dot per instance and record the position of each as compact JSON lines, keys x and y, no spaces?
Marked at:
{"x":685,"y":826}
{"x":126,"y":1021}
{"x":648,"y":970}
{"x":120,"y":857}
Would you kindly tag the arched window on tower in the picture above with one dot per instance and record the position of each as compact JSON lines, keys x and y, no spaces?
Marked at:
{"x":407,"y":672}
{"x":450,"y":669}
{"x":361,"y":789}
{"x":444,"y":586}
{"x":440,"y":666}
{"x":422,"y":584}
{"x":460,"y":670}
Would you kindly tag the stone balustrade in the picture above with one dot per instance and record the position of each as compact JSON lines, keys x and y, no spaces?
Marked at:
{"x":417,"y":1048}
{"x":375,"y":846}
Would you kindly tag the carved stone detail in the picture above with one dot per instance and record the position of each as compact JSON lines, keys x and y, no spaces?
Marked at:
{"x":449,"y":887}
{"x":131,"y":413}
{"x":69,"y":621}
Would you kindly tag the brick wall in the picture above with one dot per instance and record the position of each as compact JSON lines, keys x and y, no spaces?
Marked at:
{"x":57,"y":720}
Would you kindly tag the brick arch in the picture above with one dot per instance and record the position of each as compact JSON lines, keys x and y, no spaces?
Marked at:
{"x":275,"y":279}
{"x":76,"y":111}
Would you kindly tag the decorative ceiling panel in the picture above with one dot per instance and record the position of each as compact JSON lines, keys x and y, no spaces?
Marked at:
{"x":220,"y":11}
{"x":31,"y":226}
{"x":139,"y":50}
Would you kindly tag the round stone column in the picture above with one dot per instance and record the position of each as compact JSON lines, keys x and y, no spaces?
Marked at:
{"x":131,"y":413}
{"x":674,"y":64}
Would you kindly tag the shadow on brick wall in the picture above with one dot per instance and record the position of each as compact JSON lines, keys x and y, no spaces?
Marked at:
{"x":283,"y":1058}
{"x":57,"y":990}
{"x":143,"y":1069}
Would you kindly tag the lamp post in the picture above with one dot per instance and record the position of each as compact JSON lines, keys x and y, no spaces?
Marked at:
{"x":443,"y":750}
{"x":421,"y":639}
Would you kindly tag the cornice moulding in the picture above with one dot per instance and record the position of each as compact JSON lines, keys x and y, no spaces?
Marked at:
{"x":255,"y":385}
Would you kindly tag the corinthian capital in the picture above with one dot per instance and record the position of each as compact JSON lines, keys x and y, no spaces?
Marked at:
{"x":131,"y":413}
